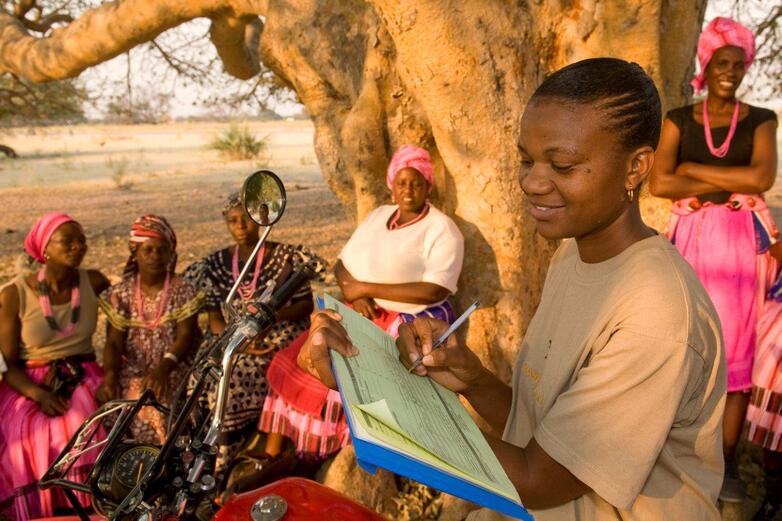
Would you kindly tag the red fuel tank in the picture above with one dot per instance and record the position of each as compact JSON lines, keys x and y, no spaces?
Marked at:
{"x":306,"y":500}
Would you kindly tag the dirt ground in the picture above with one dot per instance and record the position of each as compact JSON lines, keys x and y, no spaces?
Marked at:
{"x":106,"y":176}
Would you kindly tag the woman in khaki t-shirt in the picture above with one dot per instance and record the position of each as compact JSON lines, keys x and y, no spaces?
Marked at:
{"x":615,"y":407}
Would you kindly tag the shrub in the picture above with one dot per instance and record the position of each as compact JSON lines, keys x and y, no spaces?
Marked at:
{"x":119,"y":171}
{"x":239,"y":143}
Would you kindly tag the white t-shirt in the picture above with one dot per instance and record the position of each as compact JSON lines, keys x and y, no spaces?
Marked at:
{"x":430,"y":250}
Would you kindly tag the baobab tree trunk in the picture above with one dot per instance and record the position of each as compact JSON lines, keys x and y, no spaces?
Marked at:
{"x":454,"y":76}
{"x":449,"y":75}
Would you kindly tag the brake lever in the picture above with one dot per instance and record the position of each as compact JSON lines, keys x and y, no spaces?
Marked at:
{"x":267,"y":292}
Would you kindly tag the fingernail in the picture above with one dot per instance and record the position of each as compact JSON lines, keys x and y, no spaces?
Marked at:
{"x":428,"y":360}
{"x":413,"y":357}
{"x":353,"y":350}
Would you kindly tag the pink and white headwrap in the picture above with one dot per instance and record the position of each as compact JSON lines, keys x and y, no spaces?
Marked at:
{"x":720,"y":33}
{"x":410,"y":156}
{"x":43,"y":229}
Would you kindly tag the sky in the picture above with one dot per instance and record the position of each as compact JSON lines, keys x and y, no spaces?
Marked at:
{"x":188,"y":99}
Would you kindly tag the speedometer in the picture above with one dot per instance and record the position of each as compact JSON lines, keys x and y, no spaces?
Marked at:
{"x":133,"y":463}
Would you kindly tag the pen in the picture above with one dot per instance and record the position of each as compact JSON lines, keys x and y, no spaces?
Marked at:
{"x":448,"y":332}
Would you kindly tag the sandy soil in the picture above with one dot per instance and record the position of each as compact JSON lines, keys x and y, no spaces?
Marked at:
{"x":170,"y":171}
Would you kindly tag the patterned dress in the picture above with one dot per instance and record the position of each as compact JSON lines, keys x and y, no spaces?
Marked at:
{"x":248,"y":387}
{"x":144,"y":347}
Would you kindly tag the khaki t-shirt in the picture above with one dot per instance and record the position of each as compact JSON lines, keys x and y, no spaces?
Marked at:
{"x":621,"y":379}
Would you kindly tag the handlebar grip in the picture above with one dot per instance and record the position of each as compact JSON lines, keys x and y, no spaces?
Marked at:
{"x":289,"y":287}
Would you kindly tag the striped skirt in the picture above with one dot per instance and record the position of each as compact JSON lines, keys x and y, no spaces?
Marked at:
{"x":31,"y":442}
{"x":764,"y":414}
{"x":302,"y":409}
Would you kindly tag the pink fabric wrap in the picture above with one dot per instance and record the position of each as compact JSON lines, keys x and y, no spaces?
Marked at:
{"x":297,"y":387}
{"x":294,"y":385}
{"x":30,"y":443}
{"x":409,"y":156}
{"x":719,"y":33}
{"x":736,"y":277}
{"x":43,"y":229}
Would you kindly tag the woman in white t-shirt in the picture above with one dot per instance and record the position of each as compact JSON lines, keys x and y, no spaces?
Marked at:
{"x":402,"y":261}
{"x":405,"y":258}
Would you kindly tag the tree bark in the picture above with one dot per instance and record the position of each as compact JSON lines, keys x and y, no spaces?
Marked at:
{"x":115,"y":27}
{"x":454,"y":76}
{"x":449,"y":75}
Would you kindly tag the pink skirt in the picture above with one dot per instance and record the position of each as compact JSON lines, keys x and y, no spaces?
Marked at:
{"x":301,"y":408}
{"x":721,"y":245}
{"x":33,"y":440}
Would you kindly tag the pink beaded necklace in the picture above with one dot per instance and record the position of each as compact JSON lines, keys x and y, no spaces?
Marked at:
{"x":44,"y":300}
{"x":393,"y":224}
{"x":723,"y":149}
{"x":161,"y":307}
{"x":247,"y":290}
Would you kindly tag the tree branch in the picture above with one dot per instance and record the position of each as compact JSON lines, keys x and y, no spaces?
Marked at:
{"x":181,"y":67}
{"x":236,"y":41}
{"x":46,"y":23}
{"x":23,"y":7}
{"x":113,"y":28}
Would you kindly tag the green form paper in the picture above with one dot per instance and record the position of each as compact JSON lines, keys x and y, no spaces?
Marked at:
{"x":411,"y":414}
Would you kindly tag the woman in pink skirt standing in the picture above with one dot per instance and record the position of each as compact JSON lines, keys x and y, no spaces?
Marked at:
{"x":715,"y":159}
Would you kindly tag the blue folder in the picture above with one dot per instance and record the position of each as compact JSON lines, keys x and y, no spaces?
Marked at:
{"x":371,"y":456}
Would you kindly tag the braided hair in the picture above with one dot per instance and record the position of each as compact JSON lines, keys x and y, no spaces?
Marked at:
{"x":619,"y":88}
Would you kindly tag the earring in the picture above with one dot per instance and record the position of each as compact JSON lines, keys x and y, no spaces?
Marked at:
{"x":630,"y":195}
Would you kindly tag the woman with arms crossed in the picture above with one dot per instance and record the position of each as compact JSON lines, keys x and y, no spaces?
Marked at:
{"x":404,"y":259}
{"x":714,"y":160}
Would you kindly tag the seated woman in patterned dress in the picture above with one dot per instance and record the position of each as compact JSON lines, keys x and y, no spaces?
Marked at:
{"x":152,"y":326}
{"x":215,"y":275}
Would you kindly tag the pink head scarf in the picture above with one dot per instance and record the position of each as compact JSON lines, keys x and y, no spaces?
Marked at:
{"x":43,"y":229}
{"x":722,"y":32}
{"x":409,"y":156}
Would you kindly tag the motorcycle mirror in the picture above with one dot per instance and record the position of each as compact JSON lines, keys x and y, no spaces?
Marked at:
{"x":263,"y":197}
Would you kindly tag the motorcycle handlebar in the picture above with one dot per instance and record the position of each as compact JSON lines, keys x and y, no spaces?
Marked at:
{"x":289,"y":287}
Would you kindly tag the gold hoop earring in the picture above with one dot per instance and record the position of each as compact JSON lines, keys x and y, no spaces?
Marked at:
{"x":630,"y":195}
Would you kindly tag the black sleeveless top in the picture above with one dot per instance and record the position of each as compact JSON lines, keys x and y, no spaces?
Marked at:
{"x":693,"y":147}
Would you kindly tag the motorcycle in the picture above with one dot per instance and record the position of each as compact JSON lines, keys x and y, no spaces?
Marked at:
{"x":131,"y":480}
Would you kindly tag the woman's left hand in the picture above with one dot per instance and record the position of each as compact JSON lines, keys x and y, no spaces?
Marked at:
{"x":366,"y":307}
{"x":157,"y":379}
{"x":325,"y":333}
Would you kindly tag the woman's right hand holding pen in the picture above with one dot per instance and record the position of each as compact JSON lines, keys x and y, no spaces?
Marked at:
{"x":453,"y":365}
